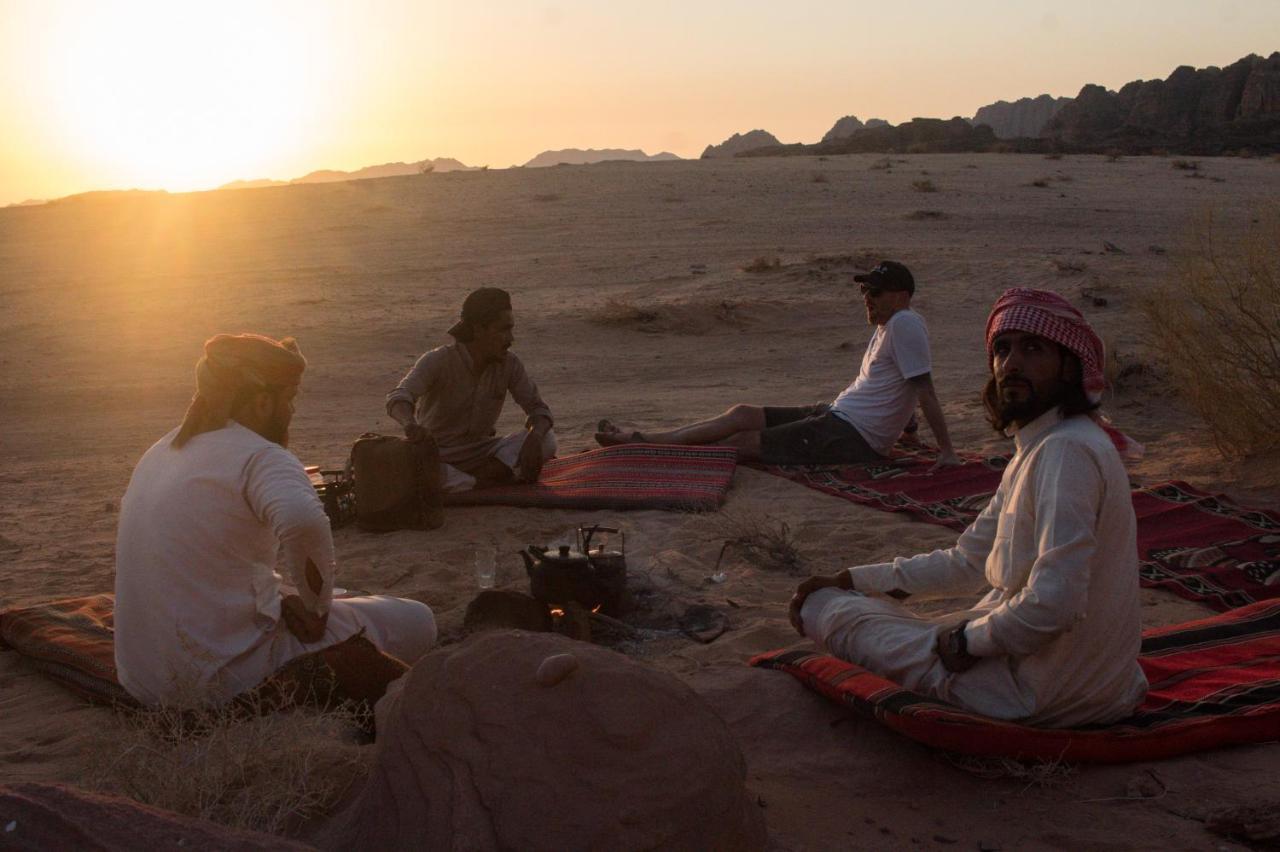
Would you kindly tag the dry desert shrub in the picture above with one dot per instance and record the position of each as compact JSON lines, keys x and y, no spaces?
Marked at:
{"x":763,"y":264}
{"x":1185,"y":165}
{"x":758,"y":538}
{"x":1217,"y":328}
{"x":618,"y":312}
{"x":1039,"y":182}
{"x":925,"y":185}
{"x":818,"y":177}
{"x":916,"y":215}
{"x":269,"y":772}
{"x":882,"y":163}
{"x":1053,"y":155}
{"x":1040,"y":773}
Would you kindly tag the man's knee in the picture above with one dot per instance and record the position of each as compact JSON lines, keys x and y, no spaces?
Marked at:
{"x":748,"y":418}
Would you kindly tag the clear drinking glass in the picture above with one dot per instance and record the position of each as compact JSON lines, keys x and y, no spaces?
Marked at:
{"x":486,"y":567}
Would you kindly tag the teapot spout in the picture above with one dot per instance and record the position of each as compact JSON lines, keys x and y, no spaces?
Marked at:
{"x":528,"y":562}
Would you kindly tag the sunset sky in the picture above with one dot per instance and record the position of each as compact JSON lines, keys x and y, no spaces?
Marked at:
{"x":184,"y":95}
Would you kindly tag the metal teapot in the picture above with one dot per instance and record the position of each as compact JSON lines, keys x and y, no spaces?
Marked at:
{"x":595,"y":578}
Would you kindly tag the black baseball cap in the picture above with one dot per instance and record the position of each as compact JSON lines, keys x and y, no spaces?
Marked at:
{"x":889,"y":275}
{"x":480,"y":308}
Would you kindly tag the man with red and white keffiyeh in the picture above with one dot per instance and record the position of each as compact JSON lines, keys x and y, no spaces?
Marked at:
{"x":1055,"y":641}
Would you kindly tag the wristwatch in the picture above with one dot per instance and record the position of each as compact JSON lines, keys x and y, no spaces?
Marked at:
{"x":957,"y":642}
{"x":958,"y":658}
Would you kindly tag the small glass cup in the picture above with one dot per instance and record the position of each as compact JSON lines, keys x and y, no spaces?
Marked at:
{"x":486,"y":567}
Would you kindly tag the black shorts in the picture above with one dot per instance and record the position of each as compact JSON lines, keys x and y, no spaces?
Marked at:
{"x":811,"y":434}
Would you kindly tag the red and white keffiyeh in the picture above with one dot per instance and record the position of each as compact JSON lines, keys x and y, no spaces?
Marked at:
{"x":1048,"y":315}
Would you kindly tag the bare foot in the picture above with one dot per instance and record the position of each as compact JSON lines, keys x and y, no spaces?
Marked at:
{"x":610,"y":435}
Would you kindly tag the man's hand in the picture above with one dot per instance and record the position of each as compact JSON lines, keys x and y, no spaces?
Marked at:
{"x":303,"y":623}
{"x":529,"y":463}
{"x":945,"y":460}
{"x":414,"y":432}
{"x":952,"y":649}
{"x":838,"y":580}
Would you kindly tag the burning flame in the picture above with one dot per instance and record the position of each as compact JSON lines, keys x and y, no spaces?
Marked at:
{"x":557,"y":612}
{"x":596,"y":608}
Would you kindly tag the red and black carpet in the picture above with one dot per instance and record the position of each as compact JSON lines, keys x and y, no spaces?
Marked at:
{"x":632,"y":476}
{"x":1201,"y":546}
{"x":1214,"y":682}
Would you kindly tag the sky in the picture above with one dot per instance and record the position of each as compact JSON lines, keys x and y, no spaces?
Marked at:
{"x":182,"y":95}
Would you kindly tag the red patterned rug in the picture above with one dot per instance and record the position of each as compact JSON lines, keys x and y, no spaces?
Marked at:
{"x":1214,"y":682}
{"x":632,"y":476}
{"x":1201,"y":546}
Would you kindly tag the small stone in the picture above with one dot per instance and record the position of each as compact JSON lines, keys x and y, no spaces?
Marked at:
{"x":556,"y":668}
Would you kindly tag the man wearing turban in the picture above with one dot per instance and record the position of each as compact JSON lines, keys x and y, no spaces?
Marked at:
{"x":224,"y":556}
{"x":1055,"y":641}
{"x":454,"y":395}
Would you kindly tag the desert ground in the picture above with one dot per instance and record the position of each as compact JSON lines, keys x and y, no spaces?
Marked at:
{"x":632,"y":302}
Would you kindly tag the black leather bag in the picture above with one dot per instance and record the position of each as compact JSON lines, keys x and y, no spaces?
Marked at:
{"x":399,"y":484}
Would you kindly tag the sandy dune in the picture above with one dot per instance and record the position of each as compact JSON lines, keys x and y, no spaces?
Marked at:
{"x":631,"y":302}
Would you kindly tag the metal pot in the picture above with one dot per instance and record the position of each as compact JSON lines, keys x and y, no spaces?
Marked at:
{"x":593,"y":577}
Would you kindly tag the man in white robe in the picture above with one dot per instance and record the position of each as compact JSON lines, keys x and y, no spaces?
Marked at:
{"x":1055,"y":641}
{"x":212,"y":510}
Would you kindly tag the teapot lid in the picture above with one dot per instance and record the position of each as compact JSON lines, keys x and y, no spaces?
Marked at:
{"x":564,"y":555}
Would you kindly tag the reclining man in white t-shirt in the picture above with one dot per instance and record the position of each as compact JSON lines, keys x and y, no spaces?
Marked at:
{"x":862,"y":423}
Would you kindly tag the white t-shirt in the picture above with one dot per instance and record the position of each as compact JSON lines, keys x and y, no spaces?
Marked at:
{"x":880,"y":400}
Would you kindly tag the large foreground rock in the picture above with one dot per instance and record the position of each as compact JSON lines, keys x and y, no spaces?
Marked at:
{"x":51,"y":816}
{"x":531,"y":741}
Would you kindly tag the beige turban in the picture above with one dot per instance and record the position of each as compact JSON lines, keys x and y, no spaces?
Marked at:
{"x":231,"y":364}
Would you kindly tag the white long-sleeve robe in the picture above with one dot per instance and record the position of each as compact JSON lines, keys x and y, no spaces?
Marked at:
{"x":202,"y":529}
{"x":1060,"y":630}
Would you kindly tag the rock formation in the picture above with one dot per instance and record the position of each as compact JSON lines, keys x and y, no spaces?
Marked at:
{"x":51,"y":816}
{"x":848,"y":125}
{"x":1024,"y":117}
{"x":1206,"y":111}
{"x":740,"y":142}
{"x":917,"y":136}
{"x":579,"y":157}
{"x":514,"y":740}
{"x":439,"y":164}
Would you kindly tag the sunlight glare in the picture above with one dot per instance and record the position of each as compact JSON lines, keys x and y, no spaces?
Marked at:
{"x":177,"y":96}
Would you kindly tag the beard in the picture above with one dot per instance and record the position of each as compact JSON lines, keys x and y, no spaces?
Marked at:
{"x":1030,"y":404}
{"x":277,"y":429}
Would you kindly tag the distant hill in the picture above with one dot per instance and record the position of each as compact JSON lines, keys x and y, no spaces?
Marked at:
{"x":253,"y":184}
{"x":849,"y":124}
{"x":581,"y":157}
{"x":439,"y":164}
{"x":740,"y":142}
{"x":1206,"y":111}
{"x":917,"y":136}
{"x":1025,"y":117}
{"x":30,"y":202}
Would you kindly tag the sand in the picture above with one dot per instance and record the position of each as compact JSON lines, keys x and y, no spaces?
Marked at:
{"x":632,"y":303}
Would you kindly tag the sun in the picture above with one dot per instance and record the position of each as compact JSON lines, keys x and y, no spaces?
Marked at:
{"x":183,"y":96}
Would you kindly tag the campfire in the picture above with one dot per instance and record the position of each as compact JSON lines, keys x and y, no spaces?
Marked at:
{"x":584,"y":593}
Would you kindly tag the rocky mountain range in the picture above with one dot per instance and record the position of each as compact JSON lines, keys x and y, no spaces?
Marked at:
{"x":439,"y":164}
{"x":1194,"y":111}
{"x":579,"y":156}
{"x":917,"y":136}
{"x":1025,"y":117}
{"x":1205,"y":111}
{"x":739,"y":143}
{"x":849,"y":125}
